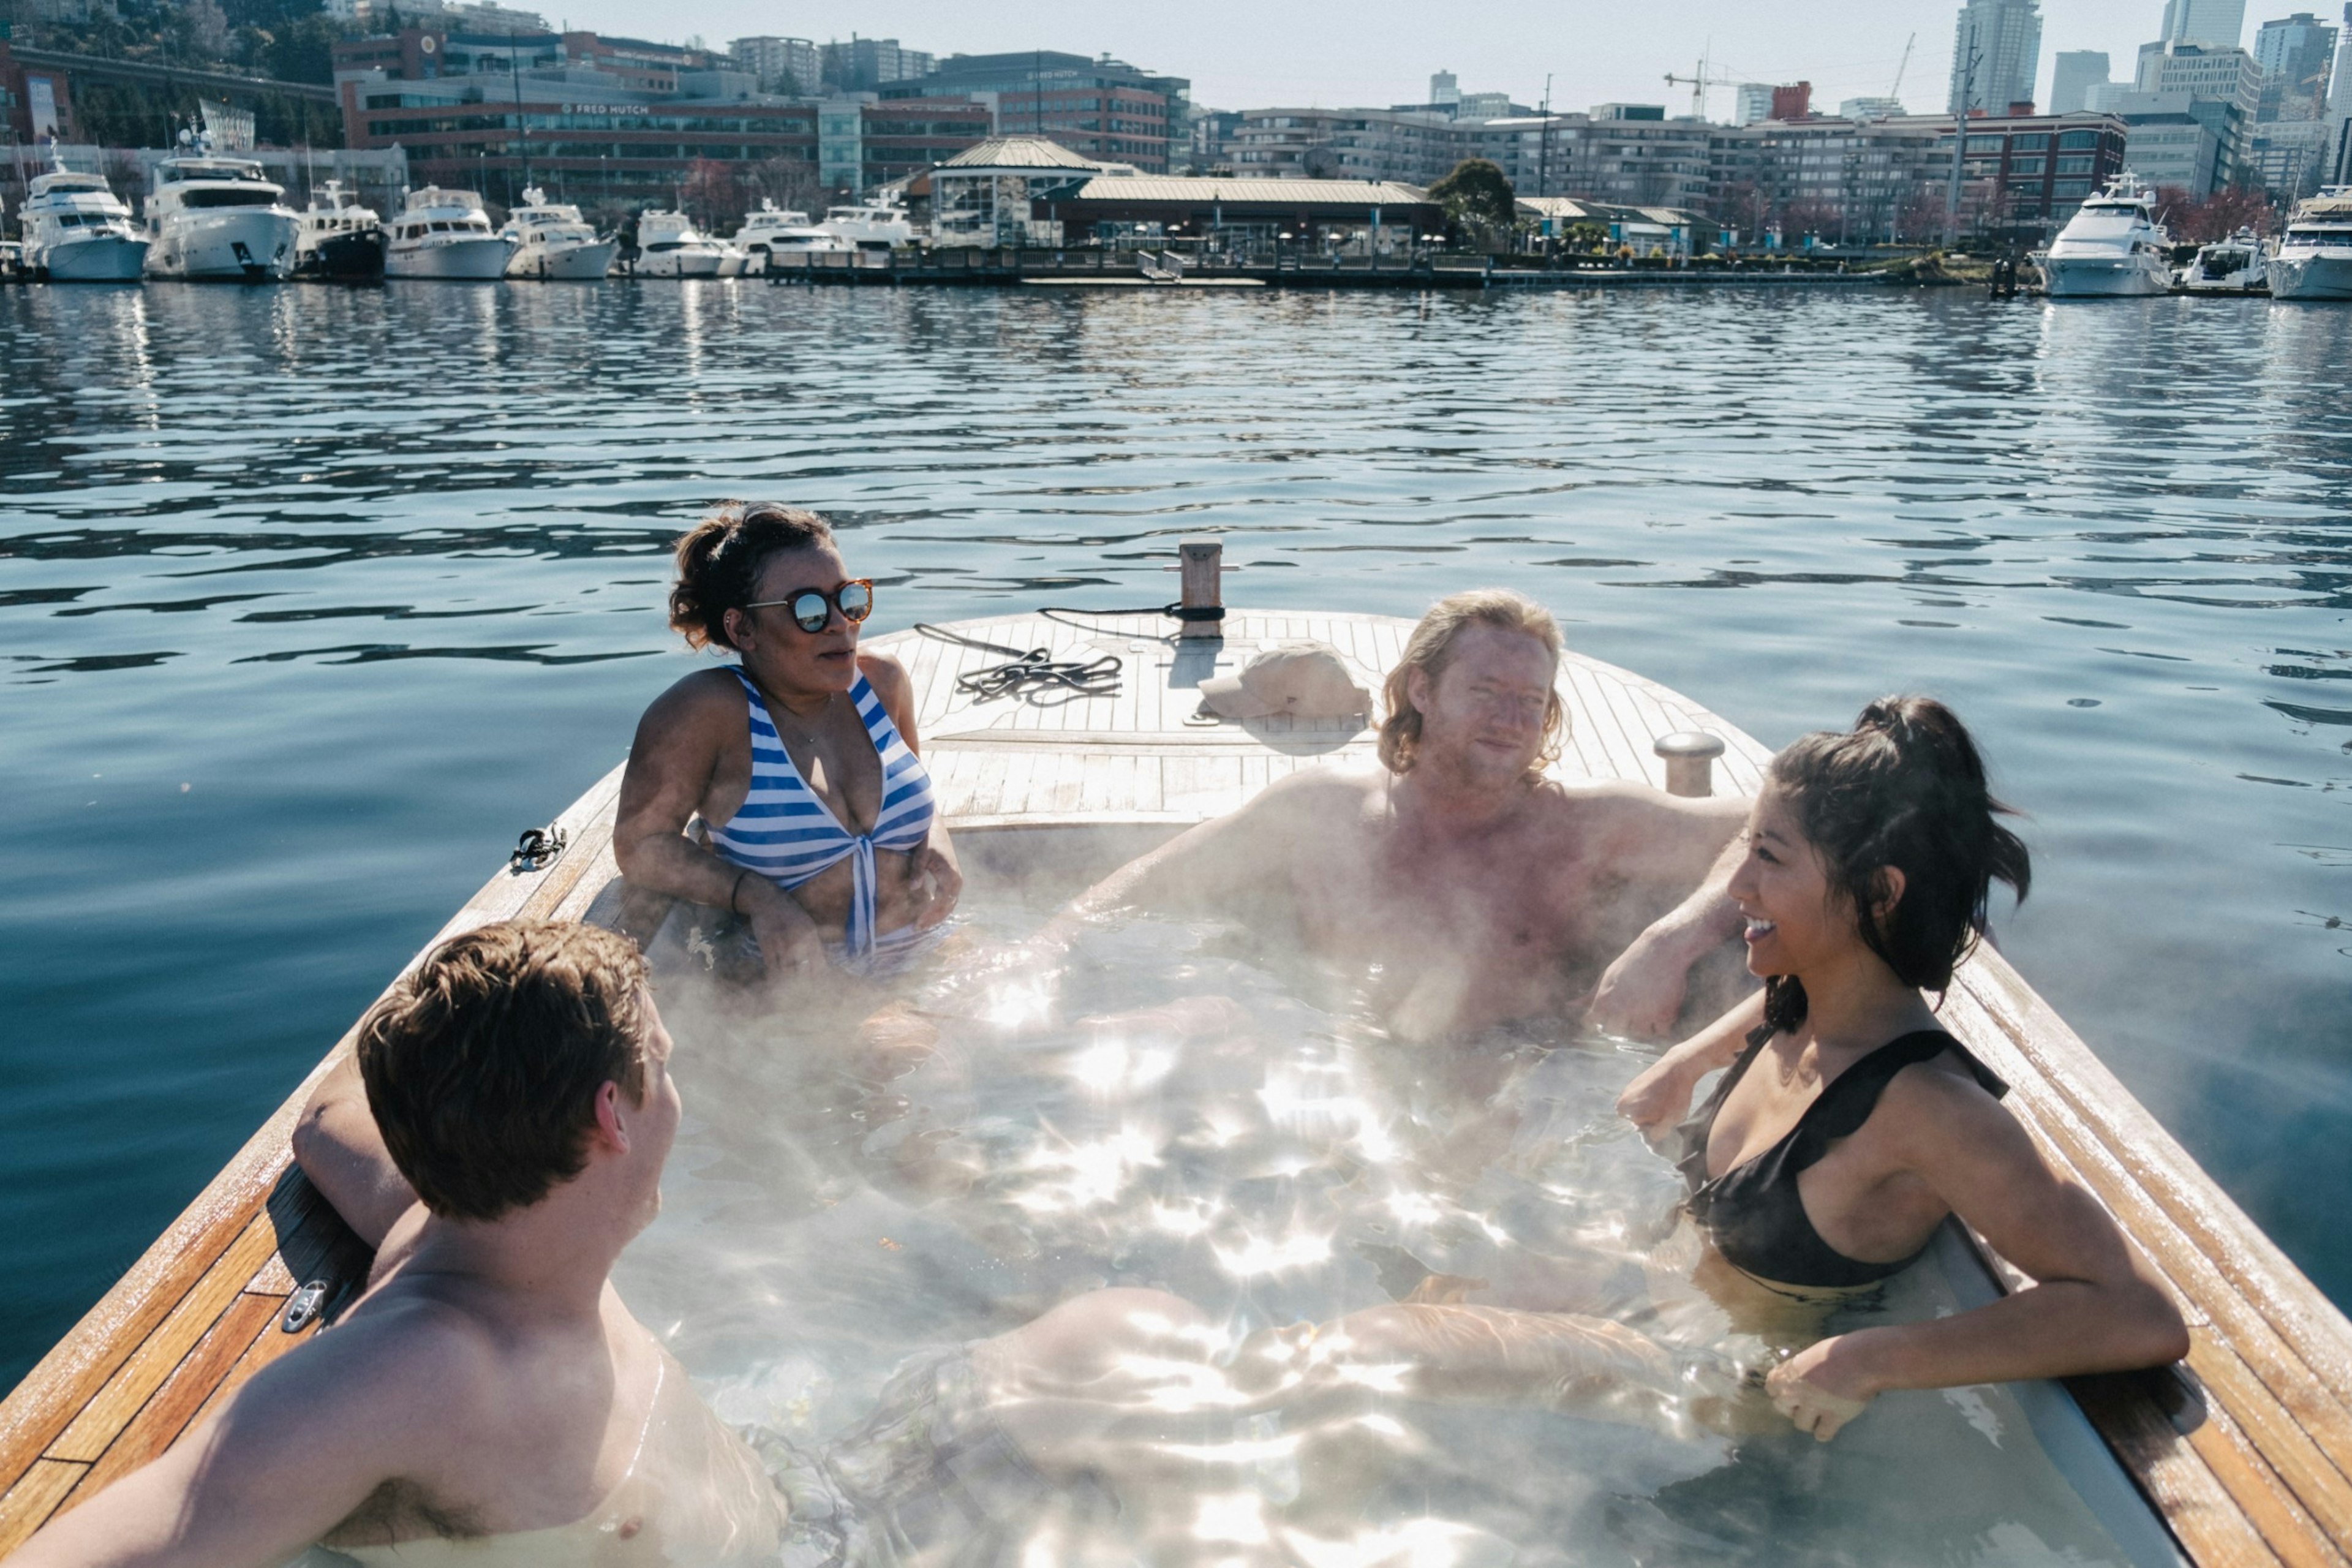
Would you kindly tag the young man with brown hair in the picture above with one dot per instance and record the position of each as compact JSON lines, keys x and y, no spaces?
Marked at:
{"x":489,"y":1384}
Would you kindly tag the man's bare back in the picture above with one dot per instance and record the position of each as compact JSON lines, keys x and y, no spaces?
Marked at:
{"x":1467,"y":888}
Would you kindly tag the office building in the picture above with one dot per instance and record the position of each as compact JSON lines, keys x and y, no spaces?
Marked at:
{"x":2178,"y":141}
{"x":621,"y":122}
{"x":1996,"y":51}
{"x":1444,"y":89}
{"x":2214,"y":24}
{"x":2294,"y":55}
{"x":2074,"y":74}
{"x":789,"y":66}
{"x":1101,"y":109}
{"x":1752,"y":102}
{"x":867,"y":65}
{"x":1858,"y":181}
{"x":1869,"y":108}
{"x":1794,"y":102}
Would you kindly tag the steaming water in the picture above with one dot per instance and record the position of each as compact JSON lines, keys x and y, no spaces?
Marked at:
{"x":311,"y":599}
{"x":1170,"y":1114}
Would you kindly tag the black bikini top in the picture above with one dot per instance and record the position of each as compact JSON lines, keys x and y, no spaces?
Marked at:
{"x":1753,"y":1211}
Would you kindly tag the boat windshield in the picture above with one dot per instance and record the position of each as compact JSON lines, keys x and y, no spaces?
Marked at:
{"x":261,"y":196}
{"x":2104,"y":223}
{"x":1187,"y":1110}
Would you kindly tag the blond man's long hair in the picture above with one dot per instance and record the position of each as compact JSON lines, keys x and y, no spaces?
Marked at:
{"x":1430,"y":647}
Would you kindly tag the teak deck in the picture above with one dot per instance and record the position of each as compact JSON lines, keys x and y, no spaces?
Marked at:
{"x":2245,"y":1452}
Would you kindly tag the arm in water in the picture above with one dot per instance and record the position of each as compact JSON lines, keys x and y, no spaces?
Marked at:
{"x":1661,"y":1096}
{"x":2095,"y":1305}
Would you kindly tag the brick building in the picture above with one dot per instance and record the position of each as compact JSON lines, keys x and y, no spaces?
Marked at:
{"x":618,"y":122}
{"x":1102,"y":108}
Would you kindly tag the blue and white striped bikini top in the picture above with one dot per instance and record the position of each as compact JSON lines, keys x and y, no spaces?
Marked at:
{"x":786,"y":834}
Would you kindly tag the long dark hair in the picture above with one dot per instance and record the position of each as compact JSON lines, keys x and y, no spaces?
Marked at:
{"x":719,"y":563}
{"x":1904,"y":787}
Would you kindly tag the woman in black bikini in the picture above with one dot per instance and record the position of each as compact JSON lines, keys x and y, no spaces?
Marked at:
{"x":1851,"y":1124}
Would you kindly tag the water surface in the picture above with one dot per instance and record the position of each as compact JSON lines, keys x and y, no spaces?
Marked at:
{"x":311,"y":599}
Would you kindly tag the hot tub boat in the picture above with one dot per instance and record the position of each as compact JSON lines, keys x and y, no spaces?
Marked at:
{"x":2243,"y":1455}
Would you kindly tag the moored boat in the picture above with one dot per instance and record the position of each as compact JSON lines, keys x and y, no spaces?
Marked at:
{"x":2313,"y":258}
{"x":75,"y":229}
{"x":444,"y":234}
{"x":219,"y":219}
{"x":2112,"y":247}
{"x":773,"y":231}
{"x":340,"y":239}
{"x":670,"y":245}
{"x":2235,"y":1458}
{"x":870,"y":226}
{"x":2233,"y":266}
{"x":554,"y":243}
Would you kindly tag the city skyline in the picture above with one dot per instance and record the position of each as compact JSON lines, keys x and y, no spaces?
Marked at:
{"x":1239,"y":57}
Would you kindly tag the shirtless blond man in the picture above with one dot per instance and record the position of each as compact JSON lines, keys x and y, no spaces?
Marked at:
{"x":1473,"y":889}
{"x":489,"y":1384}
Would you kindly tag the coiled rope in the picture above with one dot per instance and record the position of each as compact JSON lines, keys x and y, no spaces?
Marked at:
{"x":1036,"y":678}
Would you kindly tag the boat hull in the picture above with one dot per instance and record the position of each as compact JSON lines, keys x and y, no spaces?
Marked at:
{"x":249,"y":246}
{"x":2102,"y":277}
{"x":457,"y":261}
{"x":2320,"y":276}
{"x":679,"y":264}
{"x":345,"y":258}
{"x":573,"y":263}
{"x":105,"y":258}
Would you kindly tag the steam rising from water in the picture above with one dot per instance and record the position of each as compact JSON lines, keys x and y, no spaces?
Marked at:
{"x":1240,"y":1272}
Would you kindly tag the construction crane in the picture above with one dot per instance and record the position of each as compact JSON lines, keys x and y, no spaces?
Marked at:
{"x":1897,"y":90}
{"x":1699,"y":82}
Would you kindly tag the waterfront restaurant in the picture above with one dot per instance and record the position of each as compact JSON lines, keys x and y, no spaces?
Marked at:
{"x":1385,"y":213}
{"x":1004,"y":192}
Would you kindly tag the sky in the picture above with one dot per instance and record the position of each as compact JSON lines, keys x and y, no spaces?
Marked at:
{"x":1257,"y":54}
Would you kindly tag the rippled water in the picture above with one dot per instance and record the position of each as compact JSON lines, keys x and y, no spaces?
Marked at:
{"x":311,"y":599}
{"x":1176,"y":1110}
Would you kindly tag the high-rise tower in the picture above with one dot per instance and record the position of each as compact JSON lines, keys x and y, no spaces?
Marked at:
{"x":1996,"y":51}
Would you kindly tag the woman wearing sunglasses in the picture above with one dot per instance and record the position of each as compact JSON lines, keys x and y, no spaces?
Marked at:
{"x":801,"y":758}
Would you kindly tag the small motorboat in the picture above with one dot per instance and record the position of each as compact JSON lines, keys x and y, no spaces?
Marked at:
{"x":2233,"y":266}
{"x":340,"y":239}
{"x":554,"y":244}
{"x":445,"y":234}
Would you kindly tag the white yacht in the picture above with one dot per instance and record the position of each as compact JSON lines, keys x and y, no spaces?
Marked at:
{"x":774,"y":230}
{"x":218,"y":218}
{"x":870,"y":226}
{"x":670,"y":245}
{"x":2231,"y":266}
{"x":2112,"y":247}
{"x":2314,"y":260}
{"x":553,"y":242}
{"x":77,"y":230}
{"x":340,"y":237}
{"x":445,"y":234}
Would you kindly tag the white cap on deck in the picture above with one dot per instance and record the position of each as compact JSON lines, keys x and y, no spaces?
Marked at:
{"x":1301,"y":679}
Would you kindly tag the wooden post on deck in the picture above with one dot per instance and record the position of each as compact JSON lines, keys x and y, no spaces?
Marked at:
{"x":1690,"y":761}
{"x":1203,"y":562}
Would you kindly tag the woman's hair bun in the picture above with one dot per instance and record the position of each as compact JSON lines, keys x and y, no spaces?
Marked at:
{"x":719,"y":563}
{"x":1906,"y":788}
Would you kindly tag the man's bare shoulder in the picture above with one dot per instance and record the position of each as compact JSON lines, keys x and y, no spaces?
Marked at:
{"x":1314,"y":791}
{"x":1603,"y":804}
